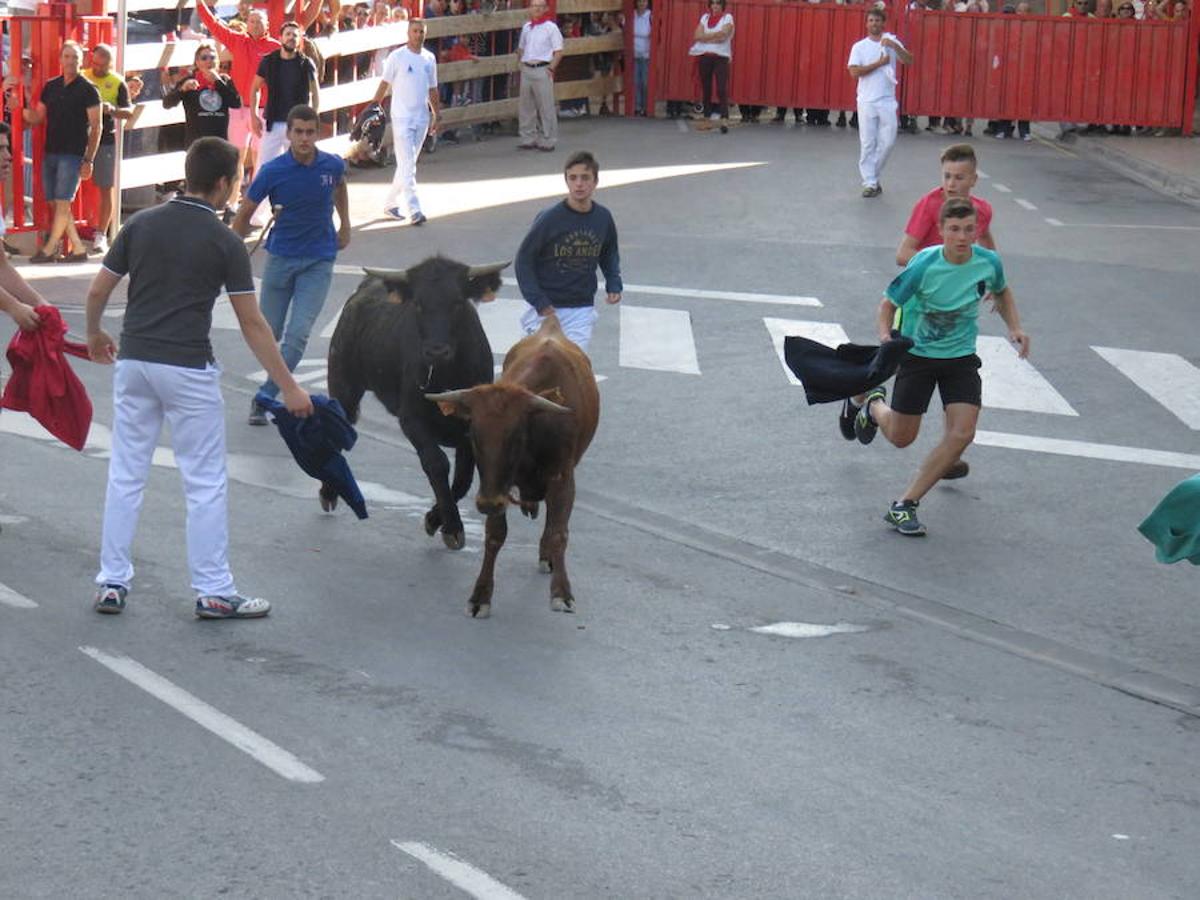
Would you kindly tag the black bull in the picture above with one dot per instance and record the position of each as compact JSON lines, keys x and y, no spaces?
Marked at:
{"x":405,"y":333}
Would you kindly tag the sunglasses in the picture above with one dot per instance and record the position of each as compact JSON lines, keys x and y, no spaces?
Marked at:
{"x":205,"y":57}
{"x":1125,"y":9}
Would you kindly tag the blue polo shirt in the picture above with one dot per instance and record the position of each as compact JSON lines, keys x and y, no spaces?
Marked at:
{"x":304,"y":227}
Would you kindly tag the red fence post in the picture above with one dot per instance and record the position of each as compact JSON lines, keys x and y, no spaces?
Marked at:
{"x":1193,"y":51}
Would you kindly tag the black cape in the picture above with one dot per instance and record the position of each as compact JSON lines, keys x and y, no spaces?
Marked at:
{"x":829,"y":375}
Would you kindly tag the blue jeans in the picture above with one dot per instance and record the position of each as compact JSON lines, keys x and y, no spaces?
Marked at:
{"x":641,"y":81}
{"x":300,"y":284}
{"x":60,"y":176}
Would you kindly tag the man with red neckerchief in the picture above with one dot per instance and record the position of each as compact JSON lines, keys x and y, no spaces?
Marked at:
{"x":540,"y":49}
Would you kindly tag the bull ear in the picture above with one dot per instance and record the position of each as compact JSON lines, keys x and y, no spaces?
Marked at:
{"x":452,"y":403}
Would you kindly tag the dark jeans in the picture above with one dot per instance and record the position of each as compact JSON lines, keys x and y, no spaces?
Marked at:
{"x":714,"y":67}
{"x":1005,"y":127}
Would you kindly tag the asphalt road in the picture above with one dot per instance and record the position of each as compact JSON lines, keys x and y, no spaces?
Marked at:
{"x":957,"y":734}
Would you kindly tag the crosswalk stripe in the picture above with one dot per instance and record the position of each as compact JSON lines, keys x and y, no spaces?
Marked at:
{"x":502,"y":322}
{"x":738,"y":296}
{"x":829,"y":333}
{"x":1010,"y":382}
{"x":1168,"y":378}
{"x":658,"y":339}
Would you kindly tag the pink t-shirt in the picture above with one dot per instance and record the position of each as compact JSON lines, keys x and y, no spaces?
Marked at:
{"x":923,"y":223}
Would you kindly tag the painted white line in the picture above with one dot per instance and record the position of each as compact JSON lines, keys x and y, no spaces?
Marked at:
{"x":681,"y":125}
{"x":1134,"y":227}
{"x":982,"y":174}
{"x":1010,"y":382}
{"x":1002,"y":188}
{"x":1086,"y":450}
{"x":269,"y":754}
{"x":1024,"y":204}
{"x":738,"y":296}
{"x":658,"y":339}
{"x":462,"y":875}
{"x":828,"y":333}
{"x":1054,"y":222}
{"x":502,"y":321}
{"x":1170,"y":379}
{"x":807,"y":629}
{"x":9,"y":597}
{"x":315,"y":365}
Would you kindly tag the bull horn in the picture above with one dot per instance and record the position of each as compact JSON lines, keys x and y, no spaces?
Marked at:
{"x":489,"y":269}
{"x":538,"y":402}
{"x":458,"y":396}
{"x":400,"y":275}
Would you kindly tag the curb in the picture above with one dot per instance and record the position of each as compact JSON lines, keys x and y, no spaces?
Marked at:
{"x":1170,"y":182}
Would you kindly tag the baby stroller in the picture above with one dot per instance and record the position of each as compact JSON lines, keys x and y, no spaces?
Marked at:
{"x":371,"y":147}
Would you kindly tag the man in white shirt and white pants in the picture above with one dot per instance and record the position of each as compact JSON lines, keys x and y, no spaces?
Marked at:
{"x":873,"y":63}
{"x":410,"y":74}
{"x":540,"y":50}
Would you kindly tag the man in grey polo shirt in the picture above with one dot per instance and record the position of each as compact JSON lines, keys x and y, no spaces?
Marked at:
{"x":178,"y":257}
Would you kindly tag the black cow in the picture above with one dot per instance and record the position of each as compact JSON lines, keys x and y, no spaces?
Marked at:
{"x":405,"y":333}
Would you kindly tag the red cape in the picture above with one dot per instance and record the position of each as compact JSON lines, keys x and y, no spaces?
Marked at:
{"x":44,"y":385}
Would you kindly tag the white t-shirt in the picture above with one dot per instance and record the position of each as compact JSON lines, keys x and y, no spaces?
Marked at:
{"x":539,"y":44}
{"x":411,"y":76}
{"x":725,"y":48}
{"x":880,"y":84}
{"x":641,"y":35}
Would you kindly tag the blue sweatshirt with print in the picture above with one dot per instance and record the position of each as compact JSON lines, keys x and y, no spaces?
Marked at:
{"x":556,"y":263}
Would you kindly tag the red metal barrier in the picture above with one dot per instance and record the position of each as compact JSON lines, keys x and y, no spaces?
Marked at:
{"x":972,"y":65}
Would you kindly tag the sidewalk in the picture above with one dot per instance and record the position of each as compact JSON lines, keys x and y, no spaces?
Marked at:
{"x":1170,"y":165}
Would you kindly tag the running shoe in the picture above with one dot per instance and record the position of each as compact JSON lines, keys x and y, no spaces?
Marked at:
{"x":258,"y":415}
{"x":419,"y":218}
{"x":865,"y":427}
{"x":100,"y":244}
{"x":232,"y":607}
{"x":902,"y":516}
{"x":959,"y":469}
{"x":846,"y":419}
{"x":110,"y":599}
{"x":393,"y":212}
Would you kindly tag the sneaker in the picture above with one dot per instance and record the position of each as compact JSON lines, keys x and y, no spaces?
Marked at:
{"x":841,"y":121}
{"x":258,"y":415}
{"x":232,"y":607}
{"x":393,"y":212}
{"x":902,"y":515}
{"x":1027,"y":138}
{"x":865,"y":427}
{"x":110,"y":599}
{"x":872,"y":190}
{"x":846,"y":419}
{"x":419,"y":219}
{"x":959,"y":469}
{"x":100,"y":244}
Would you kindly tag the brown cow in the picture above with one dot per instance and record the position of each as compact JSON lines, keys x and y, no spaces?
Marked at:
{"x":529,"y":430}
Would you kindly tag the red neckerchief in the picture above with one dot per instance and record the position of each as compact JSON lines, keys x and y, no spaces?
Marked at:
{"x":714,"y":19}
{"x":541,"y":20}
{"x":206,"y":81}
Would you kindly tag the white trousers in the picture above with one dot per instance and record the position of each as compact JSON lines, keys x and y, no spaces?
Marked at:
{"x":576,"y":322}
{"x":877,"y":122}
{"x":274,"y":143}
{"x":189,"y":400}
{"x":408,"y":136}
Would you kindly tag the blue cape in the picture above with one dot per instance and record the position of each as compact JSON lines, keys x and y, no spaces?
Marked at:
{"x":830,"y":374}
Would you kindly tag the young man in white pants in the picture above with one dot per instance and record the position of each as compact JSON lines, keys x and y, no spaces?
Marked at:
{"x":873,"y":63}
{"x":410,"y":74}
{"x":291,"y":80}
{"x":179,"y":258}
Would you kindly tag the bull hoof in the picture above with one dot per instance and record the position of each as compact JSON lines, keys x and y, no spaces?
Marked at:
{"x":328,"y":500}
{"x":455,"y":540}
{"x":562,"y":604}
{"x":545,"y":566}
{"x":432,"y":522}
{"x":482,"y":611}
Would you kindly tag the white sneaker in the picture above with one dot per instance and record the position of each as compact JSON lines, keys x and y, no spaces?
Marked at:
{"x":715,"y":117}
{"x":232,"y":607}
{"x":100,"y":244}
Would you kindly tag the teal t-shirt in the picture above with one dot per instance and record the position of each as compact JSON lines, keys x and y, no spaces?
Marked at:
{"x":941,"y":300}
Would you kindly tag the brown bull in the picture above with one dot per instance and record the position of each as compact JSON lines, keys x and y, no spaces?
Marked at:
{"x":529,"y":430}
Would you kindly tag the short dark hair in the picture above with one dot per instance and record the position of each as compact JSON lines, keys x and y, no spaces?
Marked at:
{"x":959,"y":153}
{"x":4,"y":128}
{"x":300,"y":113}
{"x":721,"y":3}
{"x":878,"y":12}
{"x":583,"y":158}
{"x":290,"y":23}
{"x":208,"y":160}
{"x":956,"y":208}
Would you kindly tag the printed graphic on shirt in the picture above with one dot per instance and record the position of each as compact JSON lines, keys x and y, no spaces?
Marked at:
{"x":210,"y":100}
{"x":577,"y":251}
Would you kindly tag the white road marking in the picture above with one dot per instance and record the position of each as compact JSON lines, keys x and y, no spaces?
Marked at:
{"x":13,"y":520}
{"x":1087,"y":450}
{"x":9,"y":597}
{"x":982,"y":174}
{"x":1010,"y":382}
{"x":1024,"y":204}
{"x":737,"y":296}
{"x":828,"y":333}
{"x":1002,"y":188}
{"x":681,"y":126}
{"x":807,"y":630}
{"x":462,"y":875}
{"x":1170,"y":379}
{"x":269,"y":754}
{"x":315,"y":364}
{"x":658,"y":339}
{"x":1133,"y":227}
{"x":1054,"y":222}
{"x":502,"y":321}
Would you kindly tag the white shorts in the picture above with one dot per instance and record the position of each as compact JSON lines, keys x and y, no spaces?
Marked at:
{"x":576,"y":322}
{"x":240,"y":133}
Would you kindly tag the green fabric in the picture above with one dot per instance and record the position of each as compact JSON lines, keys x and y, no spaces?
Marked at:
{"x":1174,"y":526}
{"x":940,"y":300}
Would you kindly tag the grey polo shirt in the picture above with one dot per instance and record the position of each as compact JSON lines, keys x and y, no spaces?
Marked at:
{"x":178,"y":257}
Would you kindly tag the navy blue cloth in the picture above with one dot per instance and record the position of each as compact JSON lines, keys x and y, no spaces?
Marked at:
{"x":317,"y":441}
{"x":828,"y":374}
{"x":304,"y":227}
{"x":556,"y":263}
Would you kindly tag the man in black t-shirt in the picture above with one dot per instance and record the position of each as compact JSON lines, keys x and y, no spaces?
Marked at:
{"x":291,"y":80}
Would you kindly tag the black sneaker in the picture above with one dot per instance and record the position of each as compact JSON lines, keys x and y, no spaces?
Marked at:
{"x":110,"y":599}
{"x":959,"y":469}
{"x":902,"y":515}
{"x":257,"y":415}
{"x":846,"y":419}
{"x":865,"y":427}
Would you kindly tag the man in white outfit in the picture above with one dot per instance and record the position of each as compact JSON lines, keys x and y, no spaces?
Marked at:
{"x":540,"y":49}
{"x":873,"y":63}
{"x":410,"y":74}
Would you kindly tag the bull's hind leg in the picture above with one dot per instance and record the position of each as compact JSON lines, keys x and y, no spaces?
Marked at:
{"x":560,"y":499}
{"x":496,"y":530}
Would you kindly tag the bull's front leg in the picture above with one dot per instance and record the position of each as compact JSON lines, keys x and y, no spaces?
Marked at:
{"x":560,"y":499}
{"x":495,"y":532}
{"x":464,"y":470}
{"x":444,"y":513}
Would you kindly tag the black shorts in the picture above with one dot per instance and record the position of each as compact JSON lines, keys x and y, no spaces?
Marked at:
{"x":957,"y":380}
